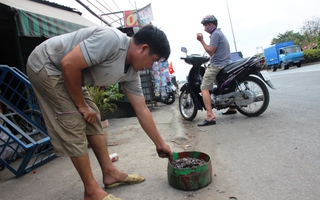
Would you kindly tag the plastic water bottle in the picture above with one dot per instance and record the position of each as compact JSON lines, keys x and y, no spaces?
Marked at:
{"x":114,"y":157}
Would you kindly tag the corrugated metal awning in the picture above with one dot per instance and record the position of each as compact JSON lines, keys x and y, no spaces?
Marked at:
{"x":35,"y":25}
{"x":38,"y":20}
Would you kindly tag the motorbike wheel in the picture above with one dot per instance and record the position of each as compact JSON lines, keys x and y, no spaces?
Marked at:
{"x":187,"y":106}
{"x":170,"y":99}
{"x":261,"y":102}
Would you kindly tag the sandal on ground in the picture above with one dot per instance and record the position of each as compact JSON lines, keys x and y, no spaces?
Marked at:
{"x":229,"y":112}
{"x":131,"y":179}
{"x":207,"y":123}
{"x":111,"y":197}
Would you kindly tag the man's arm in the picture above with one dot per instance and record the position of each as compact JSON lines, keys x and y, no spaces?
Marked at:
{"x":72,"y":65}
{"x":209,"y":49}
{"x":147,"y":123}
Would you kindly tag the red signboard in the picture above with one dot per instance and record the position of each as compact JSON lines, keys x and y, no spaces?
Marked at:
{"x":130,"y":19}
{"x":144,"y":17}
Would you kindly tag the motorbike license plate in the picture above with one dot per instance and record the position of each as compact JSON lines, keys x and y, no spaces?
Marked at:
{"x":265,"y":75}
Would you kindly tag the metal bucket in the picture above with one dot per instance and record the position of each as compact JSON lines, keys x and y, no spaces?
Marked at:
{"x":190,"y":178}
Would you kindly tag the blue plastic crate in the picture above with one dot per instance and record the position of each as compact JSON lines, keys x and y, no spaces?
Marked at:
{"x":24,"y":142}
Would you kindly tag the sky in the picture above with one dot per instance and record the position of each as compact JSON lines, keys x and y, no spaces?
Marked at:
{"x":249,"y":25}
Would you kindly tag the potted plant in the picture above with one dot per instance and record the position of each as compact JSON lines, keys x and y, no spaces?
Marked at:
{"x":105,"y":97}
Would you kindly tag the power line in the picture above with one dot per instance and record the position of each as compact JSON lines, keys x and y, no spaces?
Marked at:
{"x":103,"y":11}
{"x":110,"y":9}
{"x":116,"y":5}
{"x":112,"y":12}
{"x":93,"y":13}
{"x":131,"y":4}
{"x":104,"y":5}
{"x":94,"y":6}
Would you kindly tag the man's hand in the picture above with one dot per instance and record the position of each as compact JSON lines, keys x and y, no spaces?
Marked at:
{"x":88,"y":114}
{"x":199,"y":36}
{"x":164,"y":151}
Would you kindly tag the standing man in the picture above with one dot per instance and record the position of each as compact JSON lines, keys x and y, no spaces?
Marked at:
{"x":58,"y":70}
{"x":220,"y":56}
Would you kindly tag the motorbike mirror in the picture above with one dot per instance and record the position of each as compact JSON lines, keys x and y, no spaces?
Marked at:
{"x":184,"y":49}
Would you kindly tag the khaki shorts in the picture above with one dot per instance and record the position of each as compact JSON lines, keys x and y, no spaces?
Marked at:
{"x":209,"y":77}
{"x":66,"y":126}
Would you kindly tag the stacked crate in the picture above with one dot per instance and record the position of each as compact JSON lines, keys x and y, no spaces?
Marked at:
{"x":24,"y":141}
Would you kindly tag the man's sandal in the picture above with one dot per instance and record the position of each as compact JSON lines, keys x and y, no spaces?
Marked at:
{"x":111,"y":197}
{"x":131,"y":179}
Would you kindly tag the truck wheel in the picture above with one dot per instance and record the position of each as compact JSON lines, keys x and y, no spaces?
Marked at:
{"x":299,"y":64}
{"x":275,"y":67}
{"x":281,"y":66}
{"x":284,"y":66}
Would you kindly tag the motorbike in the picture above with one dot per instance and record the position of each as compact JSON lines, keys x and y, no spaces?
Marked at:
{"x":241,"y":85}
{"x":170,"y":96}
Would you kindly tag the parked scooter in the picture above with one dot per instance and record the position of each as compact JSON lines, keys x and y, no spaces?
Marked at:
{"x":241,"y":84}
{"x":169,"y":97}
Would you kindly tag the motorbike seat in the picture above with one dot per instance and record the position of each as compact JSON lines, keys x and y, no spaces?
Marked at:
{"x":233,"y":65}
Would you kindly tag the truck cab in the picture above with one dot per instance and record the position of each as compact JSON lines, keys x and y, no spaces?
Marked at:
{"x":290,"y":56}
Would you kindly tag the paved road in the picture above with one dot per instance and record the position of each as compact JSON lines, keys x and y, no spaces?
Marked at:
{"x":275,"y":155}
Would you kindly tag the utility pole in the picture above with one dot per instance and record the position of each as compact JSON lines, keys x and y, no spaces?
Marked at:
{"x":234,"y":40}
{"x":93,"y":13}
{"x":137,"y":14}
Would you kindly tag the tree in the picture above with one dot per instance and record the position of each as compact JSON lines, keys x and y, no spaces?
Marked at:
{"x":311,"y":29}
{"x":308,"y":36}
{"x":318,"y":40}
{"x":297,"y":38}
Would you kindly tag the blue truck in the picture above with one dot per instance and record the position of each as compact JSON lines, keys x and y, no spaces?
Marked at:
{"x":236,"y":56}
{"x":283,"y":55}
